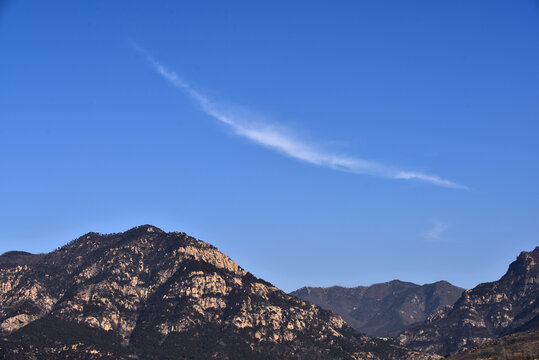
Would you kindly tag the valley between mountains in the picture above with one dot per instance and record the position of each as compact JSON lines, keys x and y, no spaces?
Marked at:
{"x":148,"y":294}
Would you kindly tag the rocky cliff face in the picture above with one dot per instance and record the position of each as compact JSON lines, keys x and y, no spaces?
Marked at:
{"x":383,"y":309}
{"x":148,"y":294}
{"x":483,"y":313}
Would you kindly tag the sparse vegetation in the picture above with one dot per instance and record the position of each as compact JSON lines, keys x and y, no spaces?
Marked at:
{"x":146,"y":294}
{"x":520,"y":346}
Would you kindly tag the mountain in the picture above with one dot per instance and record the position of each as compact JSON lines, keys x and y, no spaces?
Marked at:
{"x":12,"y":258}
{"x":147,"y":294}
{"x":522,"y":345}
{"x":486,"y":312}
{"x":383,"y":309}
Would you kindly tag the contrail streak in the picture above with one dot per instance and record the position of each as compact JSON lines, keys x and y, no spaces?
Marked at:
{"x":276,"y":138}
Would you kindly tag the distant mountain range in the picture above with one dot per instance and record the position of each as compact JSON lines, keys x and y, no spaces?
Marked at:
{"x":383,"y":309}
{"x":147,"y":294}
{"x":486,"y":312}
{"x":442,"y":318}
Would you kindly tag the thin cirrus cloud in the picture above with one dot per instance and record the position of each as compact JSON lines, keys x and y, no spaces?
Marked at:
{"x":275,"y":137}
{"x":437,"y":230}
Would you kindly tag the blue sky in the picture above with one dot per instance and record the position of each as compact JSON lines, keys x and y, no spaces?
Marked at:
{"x":316,"y":143}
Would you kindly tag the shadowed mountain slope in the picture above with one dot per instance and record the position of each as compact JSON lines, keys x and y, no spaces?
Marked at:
{"x":12,"y":258}
{"x":147,"y":294}
{"x":486,"y":312}
{"x":383,"y":309}
{"x":522,"y":345}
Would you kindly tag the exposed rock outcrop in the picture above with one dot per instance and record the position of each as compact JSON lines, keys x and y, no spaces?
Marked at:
{"x":148,"y":294}
{"x":486,"y":312}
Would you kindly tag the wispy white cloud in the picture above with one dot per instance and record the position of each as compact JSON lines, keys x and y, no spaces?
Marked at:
{"x":437,"y":230}
{"x":282,"y":140}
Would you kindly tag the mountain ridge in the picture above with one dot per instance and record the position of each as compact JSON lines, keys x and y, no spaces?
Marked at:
{"x":146,"y":293}
{"x":383,"y":309}
{"x":486,"y":312}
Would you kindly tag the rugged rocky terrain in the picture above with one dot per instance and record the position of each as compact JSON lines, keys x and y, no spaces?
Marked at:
{"x":522,"y":345}
{"x":486,"y":312}
{"x":383,"y":309}
{"x":147,"y":294}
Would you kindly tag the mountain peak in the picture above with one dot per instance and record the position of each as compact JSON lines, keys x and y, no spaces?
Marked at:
{"x":12,"y":258}
{"x":147,"y":228}
{"x":483,"y":313}
{"x":148,"y":294}
{"x":382,"y":309}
